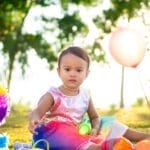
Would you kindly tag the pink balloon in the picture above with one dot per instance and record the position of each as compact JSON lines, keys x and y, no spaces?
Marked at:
{"x":127,"y":47}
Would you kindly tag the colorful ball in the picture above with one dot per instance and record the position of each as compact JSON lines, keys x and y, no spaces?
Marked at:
{"x":4,"y":104}
{"x":143,"y":145}
{"x":127,"y":47}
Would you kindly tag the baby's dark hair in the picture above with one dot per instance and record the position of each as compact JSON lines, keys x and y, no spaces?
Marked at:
{"x":77,"y":51}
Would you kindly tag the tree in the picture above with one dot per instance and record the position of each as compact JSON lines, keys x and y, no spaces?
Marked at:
{"x":16,"y":41}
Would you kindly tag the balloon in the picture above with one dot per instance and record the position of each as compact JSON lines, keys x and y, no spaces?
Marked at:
{"x":127,"y":47}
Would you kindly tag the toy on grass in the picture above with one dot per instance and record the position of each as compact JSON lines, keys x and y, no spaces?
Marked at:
{"x":85,"y":126}
{"x":4,"y":104}
{"x":143,"y":145}
{"x":3,"y":141}
{"x":29,"y":146}
{"x":127,"y":47}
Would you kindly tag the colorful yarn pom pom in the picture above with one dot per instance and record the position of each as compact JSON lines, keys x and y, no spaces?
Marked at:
{"x":4,"y":104}
{"x":117,"y":144}
{"x":143,"y":145}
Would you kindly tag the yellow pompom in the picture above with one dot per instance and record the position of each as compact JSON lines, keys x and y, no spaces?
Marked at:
{"x":3,"y":91}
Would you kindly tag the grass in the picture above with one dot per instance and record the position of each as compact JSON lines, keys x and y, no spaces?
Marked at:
{"x":16,"y":126}
{"x":134,"y":117}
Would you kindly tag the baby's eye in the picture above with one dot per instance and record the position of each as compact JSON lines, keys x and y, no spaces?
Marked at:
{"x":79,"y":70}
{"x":67,"y":69}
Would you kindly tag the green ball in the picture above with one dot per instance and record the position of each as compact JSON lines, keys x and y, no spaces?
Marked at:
{"x":84,"y":128}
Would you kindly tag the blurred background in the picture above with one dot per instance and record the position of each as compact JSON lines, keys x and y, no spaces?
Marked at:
{"x":33,"y":33}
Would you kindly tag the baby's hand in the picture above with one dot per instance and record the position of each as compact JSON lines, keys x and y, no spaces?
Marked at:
{"x":32,"y":125}
{"x":94,"y":132}
{"x":97,"y":139}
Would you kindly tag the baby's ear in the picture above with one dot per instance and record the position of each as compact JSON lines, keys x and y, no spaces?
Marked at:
{"x":88,"y":71}
{"x":58,"y":71}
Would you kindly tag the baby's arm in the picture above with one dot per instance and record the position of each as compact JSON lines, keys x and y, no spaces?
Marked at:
{"x":94,"y":118}
{"x":44,"y":105}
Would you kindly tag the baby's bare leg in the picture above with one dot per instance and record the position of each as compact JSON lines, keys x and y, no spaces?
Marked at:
{"x":136,"y":136}
{"x":94,"y":147}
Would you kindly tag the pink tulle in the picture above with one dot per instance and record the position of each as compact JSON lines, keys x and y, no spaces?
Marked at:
{"x":4,"y":107}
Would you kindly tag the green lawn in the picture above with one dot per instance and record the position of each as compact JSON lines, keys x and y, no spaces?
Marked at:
{"x":17,"y":130}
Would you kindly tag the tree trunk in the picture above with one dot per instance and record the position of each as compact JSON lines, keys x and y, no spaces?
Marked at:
{"x":10,"y":71}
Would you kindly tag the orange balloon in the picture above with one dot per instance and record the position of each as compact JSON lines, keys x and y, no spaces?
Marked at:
{"x":123,"y":144}
{"x":127,"y":47}
{"x":143,"y":145}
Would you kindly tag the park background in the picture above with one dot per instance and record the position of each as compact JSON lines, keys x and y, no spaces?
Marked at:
{"x":34,"y":32}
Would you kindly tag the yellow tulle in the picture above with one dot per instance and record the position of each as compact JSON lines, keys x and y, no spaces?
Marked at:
{"x":3,"y":91}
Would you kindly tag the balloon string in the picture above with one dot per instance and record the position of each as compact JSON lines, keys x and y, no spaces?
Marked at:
{"x":145,"y":96}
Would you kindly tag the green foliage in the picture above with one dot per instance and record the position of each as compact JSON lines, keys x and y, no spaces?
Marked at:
{"x":119,"y":8}
{"x":139,"y":102}
{"x":70,"y":26}
{"x":113,"y":109}
{"x":12,"y":15}
{"x":65,"y":3}
{"x":96,"y":51}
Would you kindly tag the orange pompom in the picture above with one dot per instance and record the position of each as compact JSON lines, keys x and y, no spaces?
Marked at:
{"x":122,"y":144}
{"x":143,"y":145}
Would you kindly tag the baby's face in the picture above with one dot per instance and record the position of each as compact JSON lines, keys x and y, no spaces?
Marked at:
{"x":73,"y":70}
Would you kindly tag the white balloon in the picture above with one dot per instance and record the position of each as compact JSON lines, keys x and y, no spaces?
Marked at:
{"x":127,"y":47}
